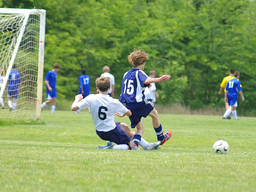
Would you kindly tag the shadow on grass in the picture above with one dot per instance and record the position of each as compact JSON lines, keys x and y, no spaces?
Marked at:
{"x":21,"y":122}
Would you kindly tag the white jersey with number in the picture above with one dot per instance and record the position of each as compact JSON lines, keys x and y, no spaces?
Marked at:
{"x":111,"y":79}
{"x":103,"y":108}
{"x":150,"y":93}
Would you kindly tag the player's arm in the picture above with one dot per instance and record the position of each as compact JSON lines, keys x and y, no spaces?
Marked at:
{"x":48,"y":85}
{"x":157,"y":80}
{"x":128,"y":113}
{"x":75,"y":105}
{"x":113,"y":90}
{"x":226,"y":96}
{"x":240,"y":91}
{"x":157,"y":95}
{"x":222,"y":86}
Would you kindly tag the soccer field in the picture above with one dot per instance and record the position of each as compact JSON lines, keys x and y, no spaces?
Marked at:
{"x":59,"y":154}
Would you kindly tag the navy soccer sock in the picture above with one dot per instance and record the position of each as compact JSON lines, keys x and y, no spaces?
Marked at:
{"x":136,"y":139}
{"x":159,"y":133}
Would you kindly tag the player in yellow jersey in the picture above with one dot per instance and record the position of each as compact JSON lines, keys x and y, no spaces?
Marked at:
{"x":224,"y":84}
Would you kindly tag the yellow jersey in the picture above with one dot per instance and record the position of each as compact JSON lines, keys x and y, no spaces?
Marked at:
{"x":225,"y":81}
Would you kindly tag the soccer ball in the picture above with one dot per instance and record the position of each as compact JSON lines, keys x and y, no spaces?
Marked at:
{"x":220,"y":146}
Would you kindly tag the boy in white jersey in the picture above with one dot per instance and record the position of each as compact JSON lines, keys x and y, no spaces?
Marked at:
{"x":103,"y":109}
{"x":111,"y":77}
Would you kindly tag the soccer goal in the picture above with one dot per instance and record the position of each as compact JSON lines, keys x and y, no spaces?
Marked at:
{"x":22,"y":35}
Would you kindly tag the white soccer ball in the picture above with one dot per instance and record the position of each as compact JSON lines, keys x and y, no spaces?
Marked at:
{"x":220,"y":146}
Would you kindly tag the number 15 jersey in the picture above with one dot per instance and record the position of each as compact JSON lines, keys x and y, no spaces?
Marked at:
{"x":103,"y":109}
{"x":133,"y":86}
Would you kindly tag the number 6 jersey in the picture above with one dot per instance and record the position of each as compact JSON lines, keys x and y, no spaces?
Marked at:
{"x":103,"y":109}
{"x":133,"y":86}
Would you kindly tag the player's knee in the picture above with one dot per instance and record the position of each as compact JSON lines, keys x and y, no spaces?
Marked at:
{"x":154,"y":114}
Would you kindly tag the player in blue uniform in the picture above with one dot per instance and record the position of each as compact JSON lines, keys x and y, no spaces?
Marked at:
{"x":132,"y":94}
{"x":51,"y":91}
{"x":233,"y":88}
{"x":84,"y":88}
{"x":13,"y":88}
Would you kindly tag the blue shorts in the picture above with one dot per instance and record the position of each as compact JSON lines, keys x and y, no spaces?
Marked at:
{"x":232,"y":100}
{"x":86,"y":93}
{"x":139,"y":110}
{"x":13,"y":93}
{"x":117,"y":135}
{"x":51,"y":94}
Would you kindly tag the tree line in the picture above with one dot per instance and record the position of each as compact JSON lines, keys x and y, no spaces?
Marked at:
{"x":196,"y":41}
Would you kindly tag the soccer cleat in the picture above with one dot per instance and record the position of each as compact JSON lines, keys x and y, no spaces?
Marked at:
{"x":167,"y":136}
{"x":153,"y":146}
{"x":133,"y":146}
{"x":108,"y":146}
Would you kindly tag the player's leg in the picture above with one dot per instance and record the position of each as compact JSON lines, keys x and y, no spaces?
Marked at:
{"x":158,"y":127}
{"x":53,"y":102}
{"x":118,"y":136}
{"x":234,"y":113}
{"x":143,"y":143}
{"x":14,"y":103}
{"x":227,"y":108}
{"x":2,"y":102}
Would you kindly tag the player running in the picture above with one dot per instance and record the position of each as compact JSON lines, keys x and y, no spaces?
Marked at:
{"x":233,"y":88}
{"x":103,"y":109}
{"x":13,"y":88}
{"x":150,"y":91}
{"x":84,"y":88}
{"x":132,"y":94}
{"x":224,"y":84}
{"x":51,"y":91}
{"x":111,"y":77}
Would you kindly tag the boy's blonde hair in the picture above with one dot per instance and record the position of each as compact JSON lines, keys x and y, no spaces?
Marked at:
{"x":137,"y":58}
{"x":102,"y":83}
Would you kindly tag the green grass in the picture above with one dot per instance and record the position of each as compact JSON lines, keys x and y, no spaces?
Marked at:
{"x":59,"y":154}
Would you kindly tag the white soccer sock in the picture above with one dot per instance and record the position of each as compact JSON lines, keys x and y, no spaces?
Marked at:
{"x":43,"y":105}
{"x":2,"y":102}
{"x":143,"y":143}
{"x":227,"y":113}
{"x":234,"y":114}
{"x":10,"y":103}
{"x":14,"y":105}
{"x":120,"y":147}
{"x":53,"y":108}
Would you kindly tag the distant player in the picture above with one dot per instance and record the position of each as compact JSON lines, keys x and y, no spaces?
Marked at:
{"x":150,"y":91}
{"x":13,"y":88}
{"x":1,"y":84}
{"x":103,"y":109}
{"x":84,"y":88}
{"x":51,"y":91}
{"x":224,"y":84}
{"x":132,"y":94}
{"x":106,"y":73}
{"x":233,"y":88}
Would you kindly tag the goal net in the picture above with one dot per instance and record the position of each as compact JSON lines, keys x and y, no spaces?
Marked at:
{"x":22,"y":34}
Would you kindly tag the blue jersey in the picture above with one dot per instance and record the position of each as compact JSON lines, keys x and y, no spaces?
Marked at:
{"x":85,"y":84}
{"x":14,"y":80}
{"x":233,"y":87}
{"x":51,"y":78}
{"x":133,"y":86}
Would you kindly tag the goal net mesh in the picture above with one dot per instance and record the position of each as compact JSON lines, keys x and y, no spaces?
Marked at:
{"x":20,"y":90}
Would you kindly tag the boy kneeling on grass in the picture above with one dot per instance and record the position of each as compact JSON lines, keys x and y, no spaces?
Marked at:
{"x":103,"y":109}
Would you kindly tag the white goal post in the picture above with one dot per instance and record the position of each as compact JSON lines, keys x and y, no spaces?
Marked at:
{"x":22,"y":38}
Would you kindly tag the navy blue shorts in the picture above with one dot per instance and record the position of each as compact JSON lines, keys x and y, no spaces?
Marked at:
{"x":139,"y":110}
{"x":117,"y":135}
